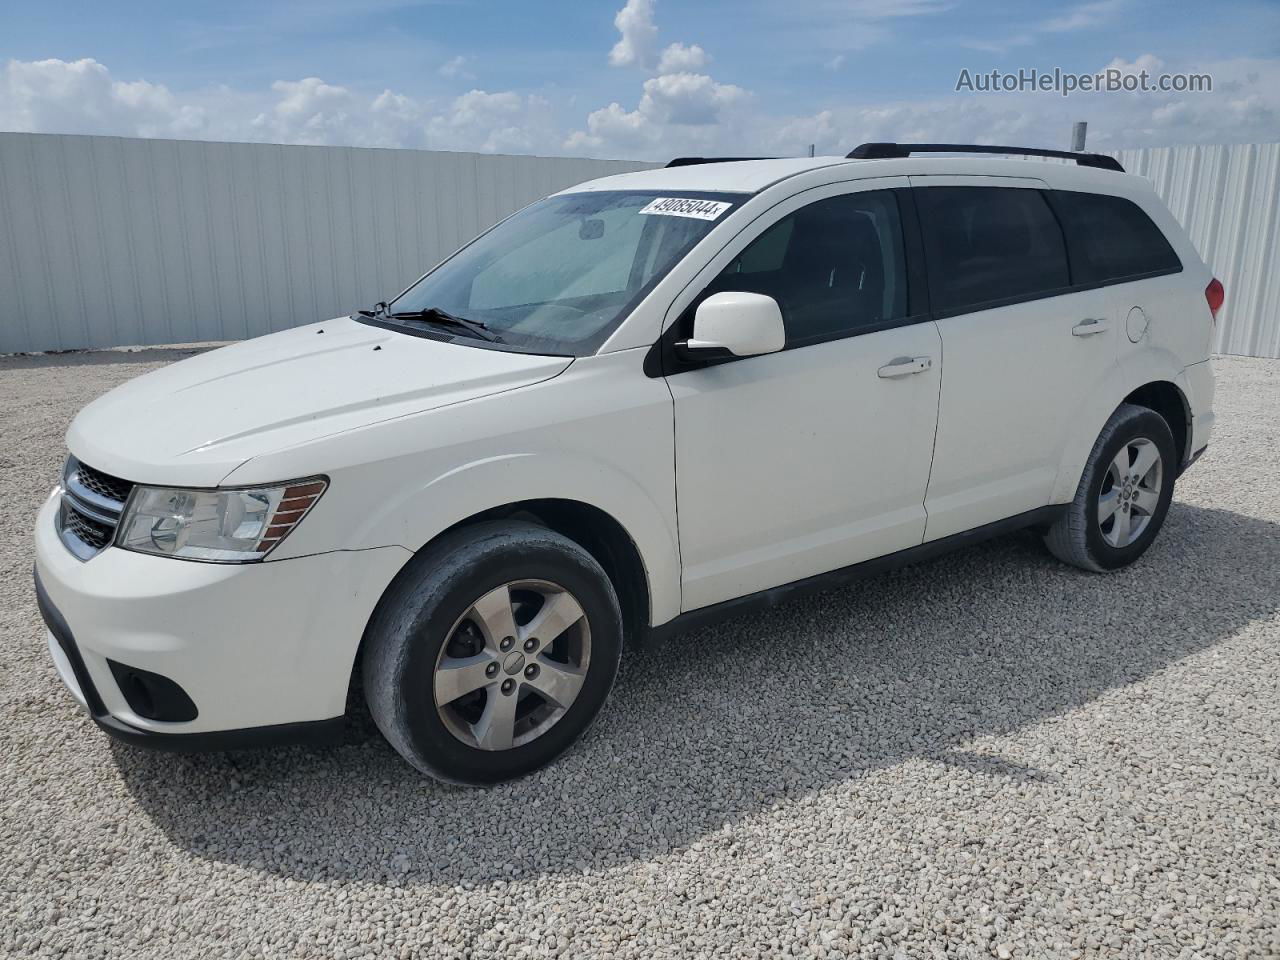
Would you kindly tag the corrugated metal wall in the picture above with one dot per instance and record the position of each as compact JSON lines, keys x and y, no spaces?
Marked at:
{"x":1228,"y":199}
{"x":106,"y":241}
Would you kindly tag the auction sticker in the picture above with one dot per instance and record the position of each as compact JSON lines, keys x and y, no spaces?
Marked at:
{"x":687,"y":207}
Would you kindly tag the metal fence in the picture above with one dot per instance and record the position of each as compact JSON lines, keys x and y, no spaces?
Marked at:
{"x":106,"y":241}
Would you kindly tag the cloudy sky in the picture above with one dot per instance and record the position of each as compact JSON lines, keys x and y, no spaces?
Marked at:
{"x":647,"y":80}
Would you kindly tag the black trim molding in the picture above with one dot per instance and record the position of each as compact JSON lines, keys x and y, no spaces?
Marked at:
{"x":310,"y":733}
{"x":887,"y":151}
{"x":1186,"y":464}
{"x":663,"y":359}
{"x":739,"y":606}
{"x":666,"y":357}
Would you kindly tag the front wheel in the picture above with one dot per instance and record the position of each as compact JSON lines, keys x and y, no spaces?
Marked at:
{"x":1124,"y":493}
{"x":493,"y":652}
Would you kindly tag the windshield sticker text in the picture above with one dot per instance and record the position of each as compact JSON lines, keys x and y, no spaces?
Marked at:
{"x":686,"y":207}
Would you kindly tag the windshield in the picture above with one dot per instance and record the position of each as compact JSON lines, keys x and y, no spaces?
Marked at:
{"x":559,"y":276}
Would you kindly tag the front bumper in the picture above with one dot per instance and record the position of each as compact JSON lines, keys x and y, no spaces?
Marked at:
{"x":263,"y":650}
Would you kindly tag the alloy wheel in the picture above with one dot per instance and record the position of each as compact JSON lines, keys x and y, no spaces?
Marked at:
{"x":1130,"y":492}
{"x":513,"y":664}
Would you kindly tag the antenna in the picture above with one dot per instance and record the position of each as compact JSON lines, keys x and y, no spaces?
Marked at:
{"x":1078,"y":131}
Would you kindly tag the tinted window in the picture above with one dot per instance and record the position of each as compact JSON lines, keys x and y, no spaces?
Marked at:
{"x":560,"y":275}
{"x":990,"y":244}
{"x":835,"y":267}
{"x":584,"y":258}
{"x":1111,"y":238}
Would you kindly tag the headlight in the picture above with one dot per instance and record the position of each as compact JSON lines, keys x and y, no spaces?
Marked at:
{"x":222,"y":526}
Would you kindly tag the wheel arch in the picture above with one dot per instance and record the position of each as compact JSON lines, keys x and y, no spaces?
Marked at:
{"x":592,"y":528}
{"x":1148,"y":378}
{"x":597,"y":532}
{"x":1168,"y":400}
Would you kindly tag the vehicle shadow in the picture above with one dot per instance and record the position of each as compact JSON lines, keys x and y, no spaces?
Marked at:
{"x":724,"y":722}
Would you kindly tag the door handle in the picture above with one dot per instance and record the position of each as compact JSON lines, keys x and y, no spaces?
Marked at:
{"x":904,"y":367}
{"x":1087,"y":328}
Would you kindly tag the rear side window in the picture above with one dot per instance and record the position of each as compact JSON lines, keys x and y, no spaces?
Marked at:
{"x":1112,"y":239}
{"x":990,"y":245}
{"x":835,"y":267}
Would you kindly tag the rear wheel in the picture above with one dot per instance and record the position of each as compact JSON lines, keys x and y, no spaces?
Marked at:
{"x":493,"y":652}
{"x":1124,"y":493}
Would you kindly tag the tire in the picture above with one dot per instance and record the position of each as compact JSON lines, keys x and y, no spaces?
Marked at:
{"x":1079,"y":537}
{"x":437,"y":631}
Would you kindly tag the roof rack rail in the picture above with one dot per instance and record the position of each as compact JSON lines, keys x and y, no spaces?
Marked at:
{"x":694,"y":161}
{"x":884,"y":151}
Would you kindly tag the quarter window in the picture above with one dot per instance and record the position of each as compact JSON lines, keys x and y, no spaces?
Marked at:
{"x":1112,"y":239}
{"x":990,"y":245}
{"x":835,"y":267}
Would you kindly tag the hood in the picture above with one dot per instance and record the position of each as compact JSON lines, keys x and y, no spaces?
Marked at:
{"x":193,"y":422}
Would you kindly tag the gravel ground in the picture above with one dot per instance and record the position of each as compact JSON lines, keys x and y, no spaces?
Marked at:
{"x":988,"y":755}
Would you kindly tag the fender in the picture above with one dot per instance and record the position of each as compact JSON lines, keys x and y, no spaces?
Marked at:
{"x":1135,"y":369}
{"x":600,"y":433}
{"x":422,"y":514}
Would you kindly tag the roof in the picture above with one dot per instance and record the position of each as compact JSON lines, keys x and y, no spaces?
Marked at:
{"x":739,"y":176}
{"x":752,"y":176}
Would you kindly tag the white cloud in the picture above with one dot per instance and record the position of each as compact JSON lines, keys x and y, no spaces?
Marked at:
{"x":998,"y":46}
{"x":887,"y":9}
{"x":1171,"y":114}
{"x":677,"y":112}
{"x":680,"y":112}
{"x":455,"y":67}
{"x":613,"y":125}
{"x":55,"y":96}
{"x":639,"y":35}
{"x":1083,"y":17}
{"x":1086,"y":16}
{"x":1244,"y":107}
{"x":679,"y":104}
{"x":309,"y":111}
{"x":831,"y":11}
{"x":1148,"y":62}
{"x":688,"y":98}
{"x":820,"y":30}
{"x":835,"y":63}
{"x":678,"y":58}
{"x":81,"y":97}
{"x":505,"y":122}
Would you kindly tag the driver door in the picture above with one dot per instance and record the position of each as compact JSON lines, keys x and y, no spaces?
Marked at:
{"x":795,"y":463}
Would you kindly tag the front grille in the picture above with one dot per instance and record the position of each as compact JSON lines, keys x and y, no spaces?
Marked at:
{"x":92,"y":502}
{"x":93,"y":533}
{"x":103,"y":484}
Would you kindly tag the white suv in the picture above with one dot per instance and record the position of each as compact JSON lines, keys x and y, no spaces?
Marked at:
{"x":637,"y":404}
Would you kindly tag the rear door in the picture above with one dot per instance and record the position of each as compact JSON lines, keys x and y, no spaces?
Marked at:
{"x":1023,"y":348}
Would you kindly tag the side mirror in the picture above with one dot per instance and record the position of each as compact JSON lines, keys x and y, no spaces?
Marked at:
{"x":741,"y":324}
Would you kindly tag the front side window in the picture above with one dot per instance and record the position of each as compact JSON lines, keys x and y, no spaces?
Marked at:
{"x":1112,"y":239}
{"x":836,"y":267}
{"x":990,"y":245}
{"x":561,"y":275}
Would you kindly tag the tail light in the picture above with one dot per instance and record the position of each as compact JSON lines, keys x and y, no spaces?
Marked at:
{"x":1215,"y":294}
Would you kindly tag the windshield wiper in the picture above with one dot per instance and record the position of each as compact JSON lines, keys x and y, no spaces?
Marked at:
{"x":442,"y":317}
{"x":379,"y":309}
